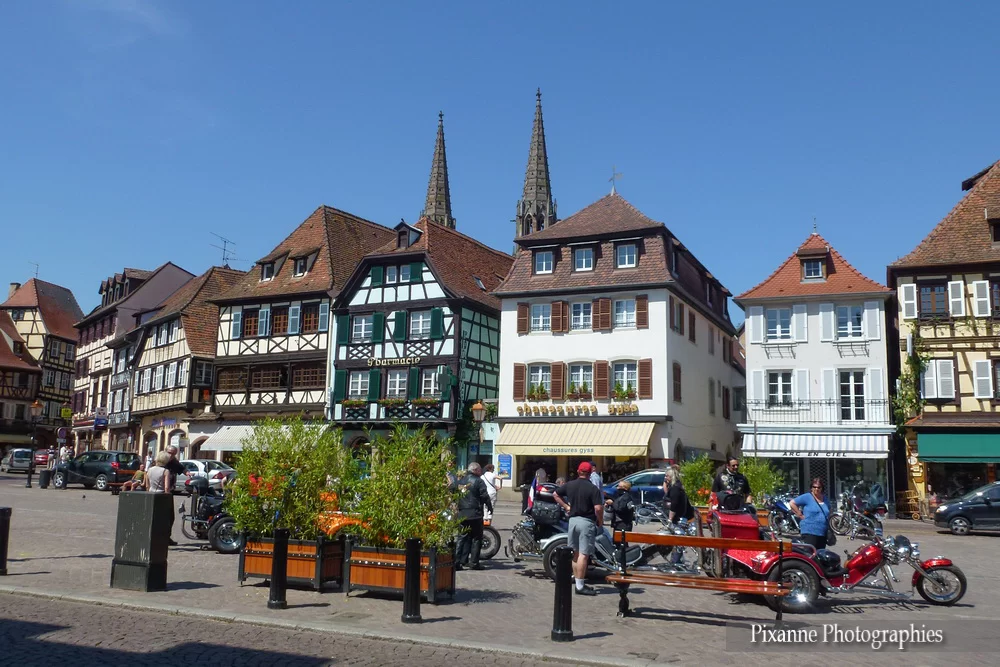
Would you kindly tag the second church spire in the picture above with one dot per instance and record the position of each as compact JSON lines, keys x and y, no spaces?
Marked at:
{"x":437,"y":206}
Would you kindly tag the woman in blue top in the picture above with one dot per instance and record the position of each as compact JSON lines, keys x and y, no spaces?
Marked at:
{"x":813,"y":512}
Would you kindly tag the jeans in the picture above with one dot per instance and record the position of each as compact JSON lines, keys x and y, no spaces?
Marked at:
{"x":677,"y":553}
{"x":472,"y":530}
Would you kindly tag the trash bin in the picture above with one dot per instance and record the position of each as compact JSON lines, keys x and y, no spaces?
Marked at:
{"x":44,"y":477}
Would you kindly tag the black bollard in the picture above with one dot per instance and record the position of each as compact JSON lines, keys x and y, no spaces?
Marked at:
{"x":4,"y":538}
{"x":279,"y":570}
{"x":562,"y":615}
{"x":31,"y":470}
{"x":411,"y":582}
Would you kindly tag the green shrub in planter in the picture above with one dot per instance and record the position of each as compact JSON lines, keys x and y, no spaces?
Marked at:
{"x":697,"y":476}
{"x":763,"y":477}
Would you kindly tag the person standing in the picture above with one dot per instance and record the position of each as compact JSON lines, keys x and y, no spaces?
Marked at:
{"x":595,"y":476}
{"x":470,"y":509}
{"x":64,"y":454}
{"x":681,"y":510}
{"x":493,"y":484}
{"x":541,"y":477}
{"x":813,"y":511}
{"x":622,"y":507}
{"x":583,"y":501}
{"x":159,"y":479}
{"x":175,"y":468}
{"x":51,"y":462}
{"x":731,"y":480}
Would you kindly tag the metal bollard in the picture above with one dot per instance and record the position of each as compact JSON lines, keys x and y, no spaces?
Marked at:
{"x":279,"y":570}
{"x":562,"y":614}
{"x":31,"y":471}
{"x":4,"y":538}
{"x":411,"y":582}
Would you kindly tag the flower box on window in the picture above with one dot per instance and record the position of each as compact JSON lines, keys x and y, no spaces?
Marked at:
{"x":393,"y":402}
{"x":354,"y":402}
{"x":426,"y":400}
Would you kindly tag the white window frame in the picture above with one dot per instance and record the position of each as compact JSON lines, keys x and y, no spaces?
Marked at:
{"x":300,"y":262}
{"x":582,"y":316}
{"x":540,"y":374}
{"x":580,"y":373}
{"x":158,"y":378}
{"x":420,"y":325}
{"x":430,"y":385}
{"x":362,"y":327}
{"x":626,"y":256}
{"x":541,"y":317}
{"x":624,"y":313}
{"x":53,"y":348}
{"x":396,"y":381}
{"x":544,"y":261}
{"x":172,"y":329}
{"x":266,"y":272}
{"x":404,"y":273}
{"x":780,"y":332}
{"x":170,"y":378}
{"x":783,"y":397}
{"x":583,"y":259}
{"x":851,"y":329}
{"x":391,"y":275}
{"x":50,"y":378}
{"x":203,"y":372}
{"x":357,"y":385}
{"x":815,"y":263}
{"x":161,"y":335}
{"x":625,"y":373}
{"x":938,"y":380}
{"x":855,"y":393}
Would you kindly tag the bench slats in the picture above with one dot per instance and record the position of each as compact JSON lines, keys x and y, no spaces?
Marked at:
{"x":724,"y":585}
{"x":701,"y":542}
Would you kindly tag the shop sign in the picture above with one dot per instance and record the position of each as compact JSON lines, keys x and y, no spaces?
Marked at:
{"x":66,"y":413}
{"x":399,"y":361}
{"x":505,"y":466}
{"x":567,"y":451}
{"x":817,"y":455}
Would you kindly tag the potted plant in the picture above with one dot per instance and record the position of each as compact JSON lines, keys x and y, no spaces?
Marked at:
{"x":408,"y":493}
{"x":426,"y":400}
{"x":585,"y":394}
{"x":630,"y":392}
{"x":619,"y":392}
{"x":532,"y":392}
{"x":392,"y":402}
{"x":572,"y":393}
{"x":354,"y":402}
{"x":291,"y":474}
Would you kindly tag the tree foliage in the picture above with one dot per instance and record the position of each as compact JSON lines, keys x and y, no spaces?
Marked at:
{"x":762,"y":476}
{"x":697,"y":476}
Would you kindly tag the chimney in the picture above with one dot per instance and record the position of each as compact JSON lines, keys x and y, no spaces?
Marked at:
{"x":13,"y":288}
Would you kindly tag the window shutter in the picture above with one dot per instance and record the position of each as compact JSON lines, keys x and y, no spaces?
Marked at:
{"x":437,"y":324}
{"x":567,"y":316}
{"x":417,"y":272}
{"x":378,"y":328}
{"x":873,"y":330}
{"x":680,"y":318}
{"x":801,"y":384}
{"x":909,"y":291}
{"x":339,"y":385}
{"x":876,"y":396}
{"x":324,"y":316}
{"x":692,"y":326}
{"x":981,"y":298}
{"x":929,"y":385}
{"x":343,"y":329}
{"x":645,"y":388}
{"x":556,"y":323}
{"x":642,"y":311}
{"x":264,"y":322}
{"x":558,"y":381}
{"x":800,"y":323}
{"x":413,"y":384}
{"x":523,"y":319}
{"x":757,"y":392}
{"x":946,"y":378}
{"x":447,"y":381}
{"x":983,"y":378}
{"x":378,"y":274}
{"x":520,"y":377}
{"x":603,"y":315}
{"x":293,"y":319}
{"x":374,"y":384}
{"x":827,"y":322}
{"x":755,"y":324}
{"x":399,"y":326}
{"x":829,"y":384}
{"x":237,"y":329}
{"x":956,"y":298}
{"x":601,"y":388}
{"x":673,"y":314}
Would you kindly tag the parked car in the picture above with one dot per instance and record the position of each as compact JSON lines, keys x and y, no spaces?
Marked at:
{"x":16,"y":460}
{"x":976,"y":510}
{"x":216,"y":472}
{"x":41,"y":458}
{"x":96,"y":469}
{"x":647,"y":486}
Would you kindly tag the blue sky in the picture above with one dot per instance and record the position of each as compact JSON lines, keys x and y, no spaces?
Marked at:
{"x":133,"y":128}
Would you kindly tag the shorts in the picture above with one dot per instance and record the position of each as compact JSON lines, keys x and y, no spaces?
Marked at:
{"x":581,"y":535}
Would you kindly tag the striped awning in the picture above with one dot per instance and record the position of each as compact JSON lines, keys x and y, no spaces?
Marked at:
{"x":227,"y":439}
{"x":827,"y":446}
{"x":575,"y":439}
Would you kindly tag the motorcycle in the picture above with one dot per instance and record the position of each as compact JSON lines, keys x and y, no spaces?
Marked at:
{"x":491,"y":541}
{"x":812,"y":573}
{"x":859,"y":514}
{"x":780,"y":518}
{"x":208,"y":520}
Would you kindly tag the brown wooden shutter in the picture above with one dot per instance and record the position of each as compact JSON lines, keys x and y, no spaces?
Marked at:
{"x":645,"y":388}
{"x":601,"y":388}
{"x":520,"y":378}
{"x":692,"y":325}
{"x":567,"y":316}
{"x":558,"y":381}
{"x":680,"y":318}
{"x":523,"y":323}
{"x":605,"y":317}
{"x":642,"y":312}
{"x":673,"y":315}
{"x":556,"y":323}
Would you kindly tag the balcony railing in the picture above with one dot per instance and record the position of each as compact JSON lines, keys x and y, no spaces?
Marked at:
{"x":407,"y":411}
{"x":835,"y":411}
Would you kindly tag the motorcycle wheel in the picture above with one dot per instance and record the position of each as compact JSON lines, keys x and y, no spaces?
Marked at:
{"x":947,"y":585}
{"x":491,"y":543}
{"x":805,"y":588}
{"x":549,"y":557}
{"x":865,"y":529}
{"x":223,"y":536}
{"x":186,"y":528}
{"x":839,"y":523}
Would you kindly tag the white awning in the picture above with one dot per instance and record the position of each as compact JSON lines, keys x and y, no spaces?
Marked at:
{"x":827,"y":446}
{"x":227,"y":439}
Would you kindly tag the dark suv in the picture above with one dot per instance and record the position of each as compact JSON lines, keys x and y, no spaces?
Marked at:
{"x":96,"y":469}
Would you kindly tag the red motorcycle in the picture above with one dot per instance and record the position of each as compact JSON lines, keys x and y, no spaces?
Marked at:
{"x":812,"y":573}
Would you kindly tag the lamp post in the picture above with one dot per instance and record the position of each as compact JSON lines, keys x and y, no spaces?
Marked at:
{"x":36,"y":412}
{"x":478,"y":412}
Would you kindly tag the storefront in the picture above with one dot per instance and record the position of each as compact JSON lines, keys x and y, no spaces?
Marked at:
{"x":956,"y":462}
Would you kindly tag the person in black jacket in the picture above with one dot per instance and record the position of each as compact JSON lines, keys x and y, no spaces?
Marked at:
{"x":470,"y":508}
{"x":622,"y":507}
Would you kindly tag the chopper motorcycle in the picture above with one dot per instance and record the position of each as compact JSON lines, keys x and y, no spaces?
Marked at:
{"x":860,"y":514}
{"x":208,"y":520}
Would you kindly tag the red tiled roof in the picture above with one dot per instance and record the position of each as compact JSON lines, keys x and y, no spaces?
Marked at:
{"x":8,"y":359}
{"x":608,"y":215}
{"x":964,"y":235}
{"x":56,"y":304}
{"x":342,"y":239}
{"x":841,"y":277}
{"x":457,"y":260}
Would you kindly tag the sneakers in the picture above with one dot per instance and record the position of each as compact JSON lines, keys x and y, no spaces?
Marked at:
{"x":586,"y":590}
{"x":477,"y":566}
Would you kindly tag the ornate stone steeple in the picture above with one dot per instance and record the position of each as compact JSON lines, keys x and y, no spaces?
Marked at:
{"x":438,"y":204}
{"x":537,"y":209}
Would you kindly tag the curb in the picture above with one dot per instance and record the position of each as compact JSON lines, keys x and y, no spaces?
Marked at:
{"x":557,"y":654}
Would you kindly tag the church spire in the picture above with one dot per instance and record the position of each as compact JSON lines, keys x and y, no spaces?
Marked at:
{"x":536,"y":210}
{"x":437,"y":207}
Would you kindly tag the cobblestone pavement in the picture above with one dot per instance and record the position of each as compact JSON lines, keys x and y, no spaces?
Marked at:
{"x":62,"y":542}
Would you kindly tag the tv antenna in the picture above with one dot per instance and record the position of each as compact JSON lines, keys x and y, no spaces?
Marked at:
{"x":35,"y":264}
{"x":227,"y":254}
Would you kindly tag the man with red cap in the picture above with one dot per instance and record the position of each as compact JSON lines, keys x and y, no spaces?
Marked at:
{"x":585,"y":505}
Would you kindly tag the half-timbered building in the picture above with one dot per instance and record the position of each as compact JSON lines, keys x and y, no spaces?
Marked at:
{"x":20,"y":377}
{"x":418,"y":333}
{"x":273,"y":337}
{"x":43,"y":314}
{"x":948,"y":294}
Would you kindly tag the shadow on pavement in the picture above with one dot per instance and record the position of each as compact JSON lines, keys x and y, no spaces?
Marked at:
{"x":464,"y":596}
{"x":14,"y":574}
{"x":21,"y":560}
{"x":189,"y":585}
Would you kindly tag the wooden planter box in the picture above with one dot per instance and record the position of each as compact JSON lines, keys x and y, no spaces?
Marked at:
{"x":374,"y":569}
{"x":310,"y":562}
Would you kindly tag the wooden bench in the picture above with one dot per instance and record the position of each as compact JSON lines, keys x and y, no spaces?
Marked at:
{"x":623,"y":579}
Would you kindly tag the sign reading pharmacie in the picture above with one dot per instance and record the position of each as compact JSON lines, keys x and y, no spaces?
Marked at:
{"x":397,"y":361}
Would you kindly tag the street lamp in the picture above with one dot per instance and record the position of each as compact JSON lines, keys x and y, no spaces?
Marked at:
{"x":36,"y":412}
{"x":478,"y":412}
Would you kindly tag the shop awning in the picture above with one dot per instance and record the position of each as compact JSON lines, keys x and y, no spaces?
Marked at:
{"x":958,"y":447}
{"x":826,"y":446}
{"x":227,"y":439}
{"x":574,"y":439}
{"x":15,"y":439}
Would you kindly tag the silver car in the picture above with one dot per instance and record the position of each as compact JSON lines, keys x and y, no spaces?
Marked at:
{"x":16,"y":460}
{"x":216,"y":472}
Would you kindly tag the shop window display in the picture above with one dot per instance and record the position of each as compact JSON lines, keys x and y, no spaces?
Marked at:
{"x":951,"y":480}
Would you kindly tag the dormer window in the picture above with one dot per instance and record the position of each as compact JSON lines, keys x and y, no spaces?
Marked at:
{"x":995,"y":231}
{"x":18,"y":348}
{"x":300,"y":266}
{"x":266,"y":271}
{"x":583,"y":259}
{"x":479,"y":283}
{"x":402,"y":239}
{"x":812,"y":269}
{"x":543,"y":261}
{"x":626,"y":256}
